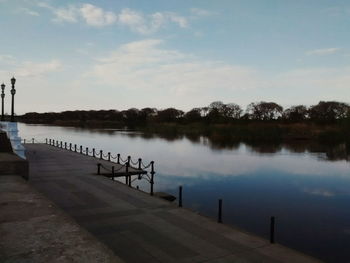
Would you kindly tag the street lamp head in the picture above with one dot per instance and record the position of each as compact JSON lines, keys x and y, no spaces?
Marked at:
{"x":13,"y":81}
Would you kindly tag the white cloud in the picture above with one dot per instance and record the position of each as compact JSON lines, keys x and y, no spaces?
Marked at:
{"x":147,"y":24}
{"x":323,"y":51}
{"x":69,"y":14}
{"x":28,"y":11}
{"x":201,"y":12}
{"x":96,"y":16}
{"x":34,"y":69}
{"x":169,"y":75}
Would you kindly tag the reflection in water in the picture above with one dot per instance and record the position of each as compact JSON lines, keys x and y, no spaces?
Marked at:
{"x":304,"y":184}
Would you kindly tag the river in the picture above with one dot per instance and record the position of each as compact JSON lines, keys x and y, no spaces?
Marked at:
{"x":304,"y":185}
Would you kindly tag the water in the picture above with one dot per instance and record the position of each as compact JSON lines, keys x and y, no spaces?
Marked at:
{"x":305,"y":186}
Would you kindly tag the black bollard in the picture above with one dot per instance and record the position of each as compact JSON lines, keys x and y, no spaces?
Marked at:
{"x":24,"y":141}
{"x":87,"y":150}
{"x":101,"y":154}
{"x":152,"y":176}
{"x":93,"y":152}
{"x":46,"y":140}
{"x":75,"y":147}
{"x":118,"y":158}
{"x":272,"y":230}
{"x":61,"y":144}
{"x":220,"y":211}
{"x":70,"y":146}
{"x":81,"y":149}
{"x":180,"y":196}
{"x":129,"y":158}
{"x":113,"y":171}
{"x":65,"y":145}
{"x":109,"y":156}
{"x":98,"y":168}
{"x":32,"y":140}
{"x":140,"y":161}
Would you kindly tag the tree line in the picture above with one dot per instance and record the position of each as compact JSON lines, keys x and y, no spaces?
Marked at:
{"x":216,"y":112}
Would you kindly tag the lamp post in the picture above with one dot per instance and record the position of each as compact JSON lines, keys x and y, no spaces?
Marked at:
{"x":13,"y":92}
{"x":2,"y":101}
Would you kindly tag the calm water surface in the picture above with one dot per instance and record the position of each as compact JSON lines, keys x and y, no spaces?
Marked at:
{"x":306,"y":187}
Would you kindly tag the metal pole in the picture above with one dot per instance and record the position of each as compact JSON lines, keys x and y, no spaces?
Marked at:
{"x":113,"y":171}
{"x":180,"y":196}
{"x":87,"y":150}
{"x":65,"y":145}
{"x":220,"y":211}
{"x":101,"y":154}
{"x":13,"y":92}
{"x":93,"y":152}
{"x":140,"y":161}
{"x":81,"y":149}
{"x":109,"y":156}
{"x":152,"y":176}
{"x":61,"y":144}
{"x":98,"y":168}
{"x":272,"y":230}
{"x":70,"y":146}
{"x":118,"y":158}
{"x":2,"y":101}
{"x":129,"y":158}
{"x":75,"y":147}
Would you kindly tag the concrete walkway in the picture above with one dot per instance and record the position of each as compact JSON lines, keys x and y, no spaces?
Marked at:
{"x":136,"y":226}
{"x":33,"y":229}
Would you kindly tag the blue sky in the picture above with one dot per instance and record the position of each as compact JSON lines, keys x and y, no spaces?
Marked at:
{"x":106,"y":54}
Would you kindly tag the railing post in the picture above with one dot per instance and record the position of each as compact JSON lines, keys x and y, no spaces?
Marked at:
{"x":61,"y":144}
{"x":24,"y":141}
{"x":126,"y":173}
{"x":53,"y":142}
{"x":152,"y":176}
{"x":113,"y":171}
{"x":87,"y":150}
{"x":180,"y":196}
{"x":272,"y":229}
{"x":75,"y":147}
{"x":50,"y":142}
{"x":109,"y":156}
{"x":70,"y":146}
{"x":93,"y":152}
{"x":81,"y":149}
{"x":65,"y":145}
{"x":32,"y":140}
{"x":127,"y":167}
{"x":46,"y":140}
{"x":140,"y":162}
{"x":101,"y":155}
{"x":118,"y":158}
{"x":220,"y":211}
{"x":129,"y":158}
{"x":98,"y":169}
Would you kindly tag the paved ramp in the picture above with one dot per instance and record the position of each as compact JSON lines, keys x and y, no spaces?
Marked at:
{"x":137,"y":226}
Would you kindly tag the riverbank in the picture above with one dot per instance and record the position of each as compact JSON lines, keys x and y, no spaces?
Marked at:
{"x":137,"y":226}
{"x":245,"y":131}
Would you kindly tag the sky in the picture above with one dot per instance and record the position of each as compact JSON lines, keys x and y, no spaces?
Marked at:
{"x":120,"y":54}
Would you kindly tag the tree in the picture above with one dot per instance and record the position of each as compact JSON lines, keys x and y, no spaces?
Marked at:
{"x":193,"y":115}
{"x":296,"y":113}
{"x":169,"y":115}
{"x":329,"y":111}
{"x":264,"y":110}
